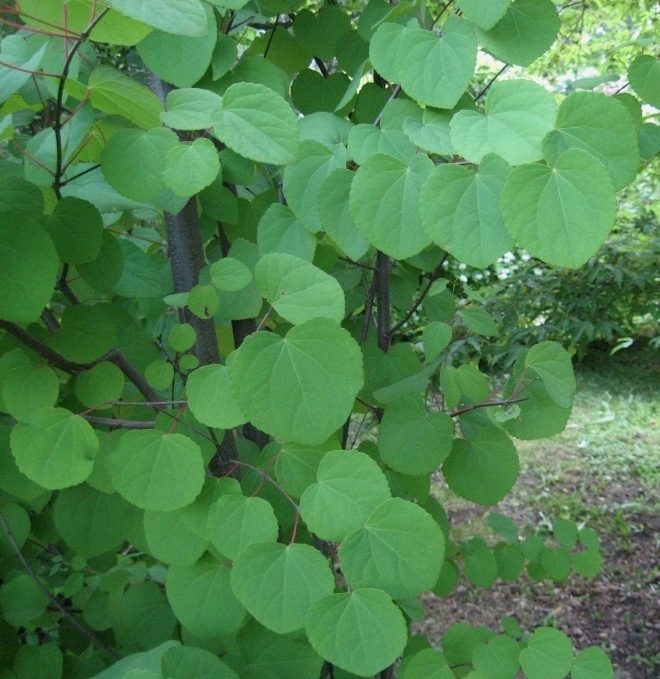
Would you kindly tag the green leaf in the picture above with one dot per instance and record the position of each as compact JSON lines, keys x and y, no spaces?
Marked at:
{"x":447,"y":579}
{"x":304,"y":177}
{"x":132,"y":162}
{"x":191,"y":167}
{"x":436,"y":71}
{"x":21,"y":197}
{"x":179,"y":59}
{"x":188,"y":662}
{"x":367,"y":140}
{"x":483,"y":15}
{"x":413,"y":441}
{"x":211,"y":400}
{"x":526,"y":31}
{"x":76,"y":228}
{"x":85,"y":334}
{"x":498,"y":658}
{"x":280,"y":230}
{"x":552,"y":363}
{"x":539,"y":416}
{"x":230,"y":274}
{"x":480,"y":562}
{"x":202,"y":599}
{"x":334,"y":211}
{"x":55,"y":449}
{"x":549,"y":655}
{"x":141,"y":276}
{"x":587,"y":563}
{"x":426,"y":664}
{"x":235,"y":522}
{"x":385,"y":50}
{"x":190,"y":108}
{"x":518,"y":114}
{"x":649,"y":140}
{"x":361,"y":631}
{"x":436,"y":337}
{"x":257,"y":124}
{"x":22,"y":600}
{"x":479,"y":321}
{"x":91,"y":522}
{"x":460,"y":210}
{"x":180,"y":17}
{"x":510,"y":561}
{"x":18,"y":521}
{"x":297,"y":465}
{"x":561,"y":214}
{"x":484,"y":469}
{"x":24,"y":393}
{"x":601,"y":126}
{"x":300,"y":387}
{"x":565,"y":532}
{"x":400,"y":549}
{"x":503,"y":526}
{"x":44,"y":661}
{"x":644,"y":77}
{"x":28,"y":269}
{"x":182,"y":337}
{"x":384,"y":203}
{"x":105,"y":271}
{"x":311,"y":92}
{"x":159,"y":374}
{"x":278,"y":584}
{"x":115,"y":93}
{"x":154,"y":470}
{"x":592,"y":663}
{"x":298,"y":290}
{"x":350,"y":485}
{"x":19,"y":61}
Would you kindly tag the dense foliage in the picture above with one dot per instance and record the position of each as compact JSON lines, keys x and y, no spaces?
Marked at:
{"x":218,"y":223}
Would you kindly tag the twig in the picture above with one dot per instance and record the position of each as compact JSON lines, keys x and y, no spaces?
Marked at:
{"x":119,"y":424}
{"x":267,"y":478}
{"x":442,"y":11}
{"x":348,"y":260}
{"x":368,"y":309}
{"x":376,"y":410}
{"x":432,"y":279}
{"x":490,"y":82}
{"x":322,"y":67}
{"x":394,"y":95}
{"x":80,"y":174}
{"x":272,"y":35}
{"x":265,"y":318}
{"x":30,"y":571}
{"x":490,"y":404}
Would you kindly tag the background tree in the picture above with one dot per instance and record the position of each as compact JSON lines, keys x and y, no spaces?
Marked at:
{"x":219,"y":222}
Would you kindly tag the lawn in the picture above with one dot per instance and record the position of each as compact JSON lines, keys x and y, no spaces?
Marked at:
{"x":604,"y":470}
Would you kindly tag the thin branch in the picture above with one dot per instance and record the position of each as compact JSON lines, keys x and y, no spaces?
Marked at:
{"x":119,"y":424}
{"x":368,"y":308}
{"x":63,"y":286}
{"x":30,"y":571}
{"x":322,"y":67}
{"x":434,"y":277}
{"x":267,"y":478}
{"x":30,"y":71}
{"x":490,"y":82}
{"x":136,"y":377}
{"x":376,"y":410}
{"x":272,"y":35}
{"x":348,"y":260}
{"x":490,"y":404}
{"x":442,"y":11}
{"x":394,"y":95}
{"x":382,"y":276}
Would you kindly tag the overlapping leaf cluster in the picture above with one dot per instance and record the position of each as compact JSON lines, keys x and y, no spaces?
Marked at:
{"x":196,"y":282}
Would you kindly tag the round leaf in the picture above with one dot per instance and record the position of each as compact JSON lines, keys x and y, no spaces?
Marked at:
{"x":56,"y":449}
{"x":350,"y":486}
{"x":592,"y":663}
{"x":361,"y":632}
{"x":257,"y":123}
{"x":600,"y":125}
{"x":202,"y":599}
{"x":24,"y":393}
{"x":549,"y":655}
{"x":189,"y":662}
{"x":280,"y":230}
{"x":182,"y":337}
{"x":460,"y":210}
{"x":518,"y":114}
{"x":297,"y":465}
{"x":236,"y":521}
{"x":191,"y":167}
{"x":76,"y":228}
{"x":498,"y":658}
{"x":483,"y":469}
{"x":171,"y":16}
{"x":561,"y":214}
{"x":484,"y":15}
{"x":300,"y":387}
{"x":154,"y":470}
{"x":278,"y":584}
{"x":230,"y":274}
{"x":400,"y":549}
{"x":298,"y":290}
{"x":28,"y":269}
{"x":101,"y":384}
{"x":552,"y":363}
{"x":413,"y":441}
{"x":644,"y":76}
{"x":384,"y":204}
{"x":211,"y":400}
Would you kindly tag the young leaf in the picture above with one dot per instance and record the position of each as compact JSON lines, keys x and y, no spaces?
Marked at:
{"x":191,"y":167}
{"x":561,"y":214}
{"x":300,"y":387}
{"x":362,"y":631}
{"x":230,"y":274}
{"x":350,"y":485}
{"x":211,"y":400}
{"x":552,"y":363}
{"x":480,"y":562}
{"x":278,"y":584}
{"x":400,"y":549}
